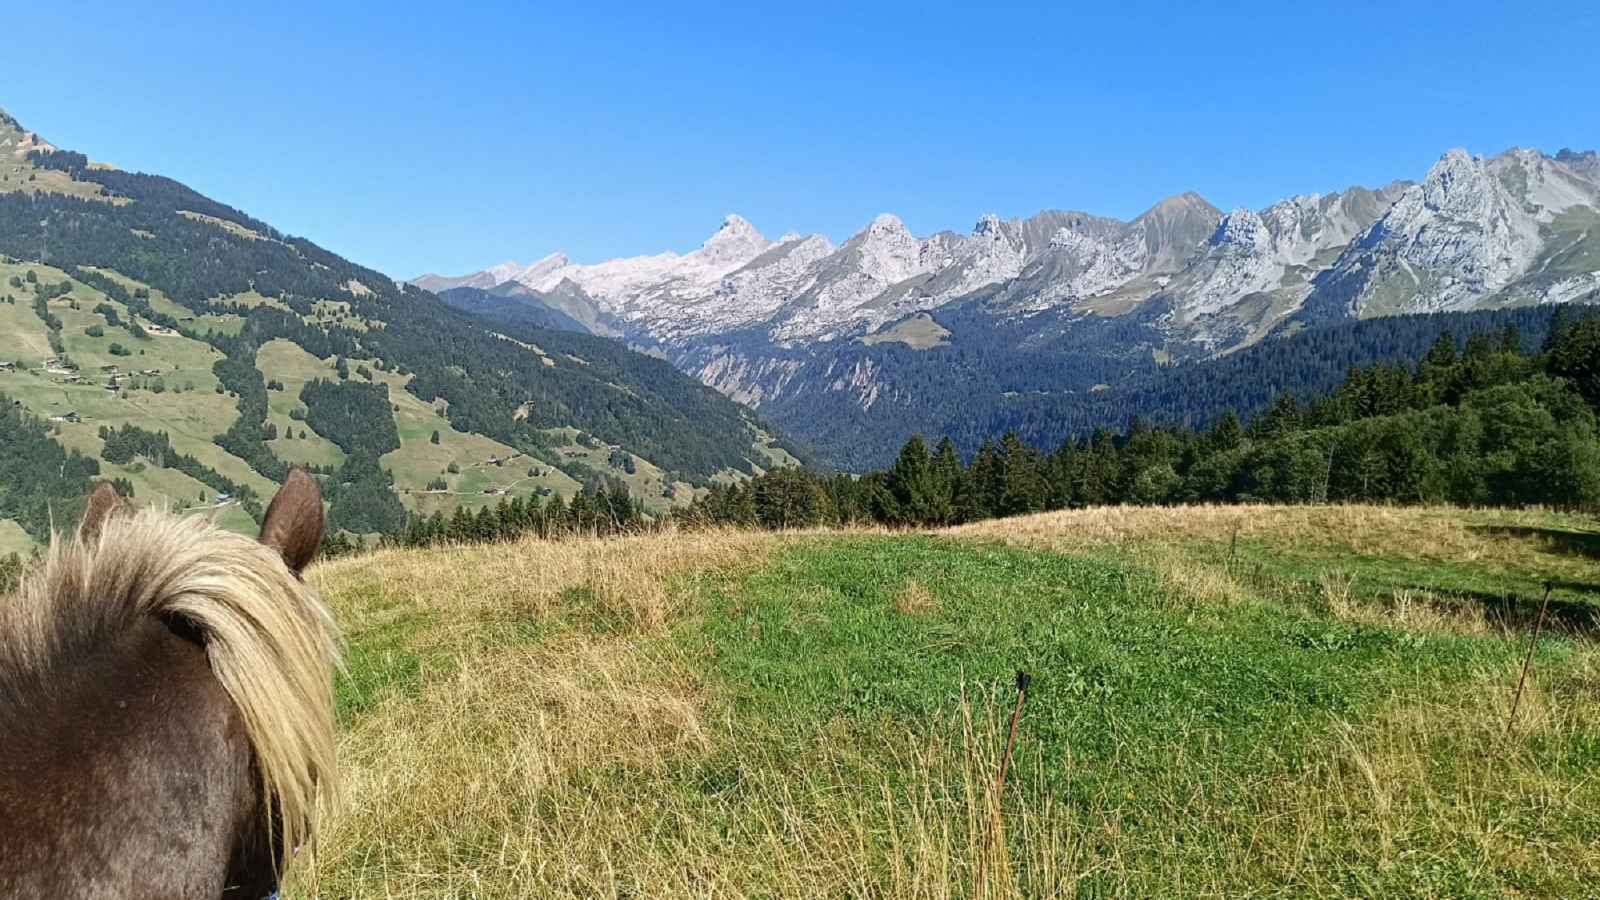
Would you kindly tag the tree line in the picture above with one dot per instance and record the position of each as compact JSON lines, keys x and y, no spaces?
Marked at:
{"x":1476,"y":424}
{"x":1055,"y":376}
{"x":609,"y":509}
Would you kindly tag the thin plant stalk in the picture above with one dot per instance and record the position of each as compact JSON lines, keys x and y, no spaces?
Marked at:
{"x":1528,"y":663}
{"x":1000,"y":785}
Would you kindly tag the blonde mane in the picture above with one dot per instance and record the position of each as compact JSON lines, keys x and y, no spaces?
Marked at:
{"x":268,"y":638}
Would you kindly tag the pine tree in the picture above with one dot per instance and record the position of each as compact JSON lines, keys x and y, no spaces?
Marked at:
{"x":946,"y":479}
{"x":789,"y":498}
{"x":1095,"y":470}
{"x":978,"y":494}
{"x":1510,"y":339}
{"x":1023,"y":487}
{"x":1282,"y":419}
{"x":1224,"y":434}
{"x":1575,"y":355}
{"x":1058,"y":472}
{"x":910,"y":486}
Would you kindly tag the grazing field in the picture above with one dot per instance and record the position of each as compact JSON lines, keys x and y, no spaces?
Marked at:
{"x":113,"y":371}
{"x":14,"y":540}
{"x":1247,"y":702}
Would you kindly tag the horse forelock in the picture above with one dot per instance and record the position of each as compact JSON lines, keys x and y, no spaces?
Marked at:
{"x":268,"y":639}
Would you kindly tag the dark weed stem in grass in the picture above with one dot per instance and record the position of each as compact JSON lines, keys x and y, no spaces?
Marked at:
{"x":1528,"y":663}
{"x":1023,"y":678}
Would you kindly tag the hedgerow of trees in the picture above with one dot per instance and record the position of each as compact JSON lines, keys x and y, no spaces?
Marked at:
{"x":40,"y":482}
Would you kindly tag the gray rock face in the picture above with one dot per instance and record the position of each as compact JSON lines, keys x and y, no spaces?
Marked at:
{"x":801,"y":289}
{"x":1513,"y":228}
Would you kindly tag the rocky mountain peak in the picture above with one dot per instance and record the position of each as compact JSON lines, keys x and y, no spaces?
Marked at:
{"x":1455,"y":185}
{"x":1174,"y":229}
{"x":1241,"y":227}
{"x":1180,"y":206}
{"x":988,"y":227}
{"x":1587,"y":159}
{"x":884,"y":224}
{"x":737,"y":241}
{"x":1473,"y":226}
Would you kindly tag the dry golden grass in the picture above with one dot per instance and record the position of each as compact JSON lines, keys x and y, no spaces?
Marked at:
{"x":1416,"y":610}
{"x":914,"y":597}
{"x":556,"y":740}
{"x":507,"y":727}
{"x":497,"y":777}
{"x":1403,"y":532}
{"x":467,"y":583}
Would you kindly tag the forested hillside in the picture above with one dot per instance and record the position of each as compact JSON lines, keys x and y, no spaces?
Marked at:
{"x":1475,"y":422}
{"x":127,"y":297}
{"x":990,"y":377}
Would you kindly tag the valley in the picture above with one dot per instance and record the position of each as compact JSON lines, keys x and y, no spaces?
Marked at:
{"x":1062,"y":304}
{"x":131,"y":306}
{"x":1144,"y":451}
{"x":786,"y":451}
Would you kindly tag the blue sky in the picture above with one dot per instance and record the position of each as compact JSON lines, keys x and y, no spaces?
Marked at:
{"x":448,"y":137}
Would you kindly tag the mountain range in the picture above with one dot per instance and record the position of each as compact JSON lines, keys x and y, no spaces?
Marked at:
{"x":800,"y":323}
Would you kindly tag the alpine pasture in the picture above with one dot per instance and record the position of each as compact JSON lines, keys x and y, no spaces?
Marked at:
{"x":1226,"y":702}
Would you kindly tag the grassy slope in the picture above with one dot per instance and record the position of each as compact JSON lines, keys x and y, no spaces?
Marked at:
{"x":192,"y":412}
{"x":1265,"y":702}
{"x":920,"y":332}
{"x":18,"y":173}
{"x":419,"y":460}
{"x":648,"y":481}
{"x":194,"y":418}
{"x":189,"y":410}
{"x":14,"y":540}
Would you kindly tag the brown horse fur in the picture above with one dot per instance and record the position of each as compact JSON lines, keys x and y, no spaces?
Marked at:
{"x":166,"y":709}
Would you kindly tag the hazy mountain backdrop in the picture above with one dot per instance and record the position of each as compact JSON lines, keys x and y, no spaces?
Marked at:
{"x":1063,"y":303}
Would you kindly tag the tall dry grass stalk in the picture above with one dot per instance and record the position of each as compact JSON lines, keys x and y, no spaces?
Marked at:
{"x":1412,"y":609}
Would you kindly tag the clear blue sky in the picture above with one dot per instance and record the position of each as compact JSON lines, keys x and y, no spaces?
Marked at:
{"x":450,"y":136}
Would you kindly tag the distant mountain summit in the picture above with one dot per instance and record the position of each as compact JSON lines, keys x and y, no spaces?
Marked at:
{"x":1061,"y":302}
{"x":1509,"y":229}
{"x":1512,"y":229}
{"x":806,"y":288}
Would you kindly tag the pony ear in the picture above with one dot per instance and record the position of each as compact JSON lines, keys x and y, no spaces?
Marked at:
{"x":293,"y":525}
{"x":103,"y":503}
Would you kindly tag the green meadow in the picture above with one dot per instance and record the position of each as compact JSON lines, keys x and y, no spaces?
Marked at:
{"x":1225,"y":702}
